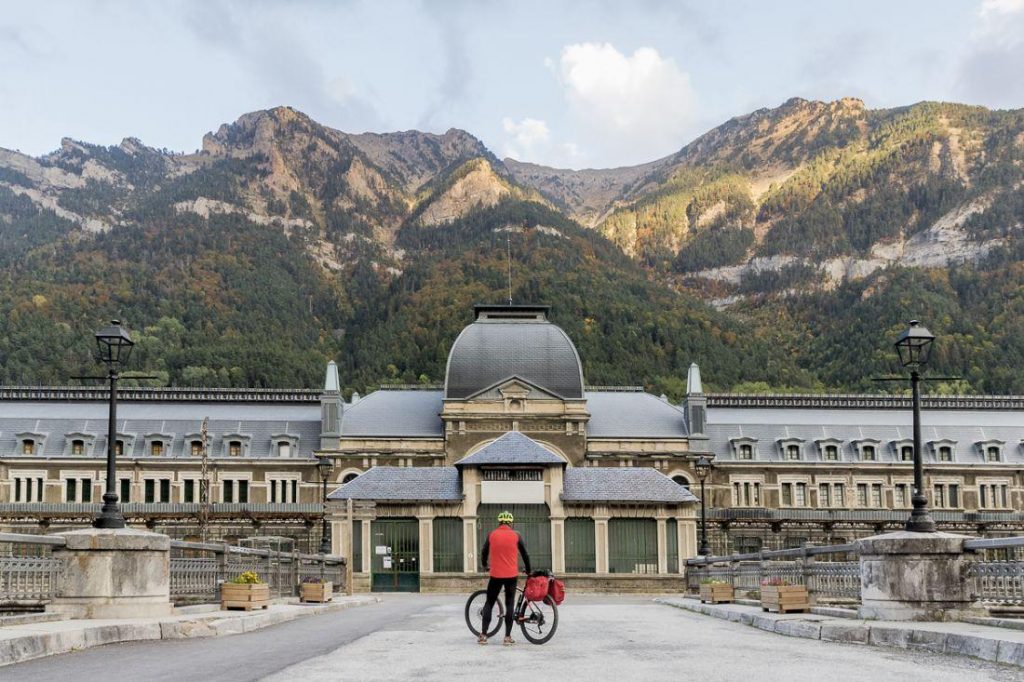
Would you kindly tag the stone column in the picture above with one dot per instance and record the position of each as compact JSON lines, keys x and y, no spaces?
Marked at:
{"x":114,"y":573}
{"x":601,"y":517}
{"x":367,"y":546}
{"x":426,"y":519}
{"x":557,"y":510}
{"x":662,"y":543}
{"x":558,"y":544}
{"x":470,"y":561}
{"x":915,"y":576}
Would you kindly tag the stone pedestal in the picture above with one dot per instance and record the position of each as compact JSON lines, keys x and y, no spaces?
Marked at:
{"x":114,"y":573}
{"x":915,"y":576}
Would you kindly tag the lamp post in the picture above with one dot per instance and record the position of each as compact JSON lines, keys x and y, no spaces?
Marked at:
{"x":702,"y":469}
{"x":115,"y":346}
{"x":914,"y":347}
{"x":326,"y":466}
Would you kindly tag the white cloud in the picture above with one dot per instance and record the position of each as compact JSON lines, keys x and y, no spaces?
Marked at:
{"x":627,"y":108}
{"x":991,"y":73}
{"x":525,"y":139}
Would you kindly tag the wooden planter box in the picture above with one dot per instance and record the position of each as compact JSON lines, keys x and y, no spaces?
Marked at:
{"x":248,"y":597}
{"x":316,"y":592}
{"x":716,"y":593}
{"x":785,"y":598}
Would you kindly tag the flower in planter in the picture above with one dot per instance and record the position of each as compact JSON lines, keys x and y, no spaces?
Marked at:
{"x":247,"y":578}
{"x":312,"y":580}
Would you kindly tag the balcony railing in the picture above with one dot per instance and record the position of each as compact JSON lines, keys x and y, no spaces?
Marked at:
{"x":1000,"y":571}
{"x":28,"y":574}
{"x":858,"y":515}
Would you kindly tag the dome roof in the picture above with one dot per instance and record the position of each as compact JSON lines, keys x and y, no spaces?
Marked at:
{"x":507,"y":341}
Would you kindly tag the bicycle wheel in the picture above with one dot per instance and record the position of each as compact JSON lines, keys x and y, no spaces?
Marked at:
{"x":475,"y":613}
{"x":539,"y":620}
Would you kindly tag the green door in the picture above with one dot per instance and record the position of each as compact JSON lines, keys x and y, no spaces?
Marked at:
{"x":532,"y":522}
{"x":396,"y":554}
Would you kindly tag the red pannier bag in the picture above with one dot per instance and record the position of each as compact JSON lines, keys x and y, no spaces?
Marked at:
{"x":536,"y":588}
{"x":556,"y":590}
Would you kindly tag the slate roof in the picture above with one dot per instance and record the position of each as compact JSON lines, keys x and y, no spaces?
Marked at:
{"x":628,"y":414}
{"x":403,"y":483}
{"x":179,"y":420}
{"x":767,"y":425}
{"x":512,"y":448}
{"x":489,"y":351}
{"x":412,"y":413}
{"x":622,"y":484}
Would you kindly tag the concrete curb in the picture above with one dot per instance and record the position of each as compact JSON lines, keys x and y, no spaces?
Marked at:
{"x":957,"y":638}
{"x":25,"y":642}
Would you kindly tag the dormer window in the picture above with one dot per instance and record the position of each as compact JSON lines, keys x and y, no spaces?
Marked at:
{"x":744,"y":448}
{"x":907,"y":453}
{"x":78,"y":447}
{"x":790,"y":449}
{"x":867,"y":449}
{"x":236,"y":445}
{"x":992,"y":453}
{"x":828,"y":448}
{"x":945,"y":454}
{"x":31,"y":443}
{"x":867,"y":453}
{"x":991,"y":450}
{"x":235,"y":448}
{"x":156,"y":448}
{"x":28,"y":447}
{"x":119,"y":447}
{"x":196,"y":448}
{"x":285,"y":444}
{"x":284,"y":448}
{"x":831,"y":453}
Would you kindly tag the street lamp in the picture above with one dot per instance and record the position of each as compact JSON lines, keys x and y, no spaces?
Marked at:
{"x":326,"y":466}
{"x":914,"y":347}
{"x":115,"y":346}
{"x":702,"y":469}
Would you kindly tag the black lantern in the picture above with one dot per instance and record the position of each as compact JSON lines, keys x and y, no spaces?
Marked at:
{"x":114,"y":344}
{"x":702,"y":467}
{"x":325,"y":465}
{"x":914,"y":345}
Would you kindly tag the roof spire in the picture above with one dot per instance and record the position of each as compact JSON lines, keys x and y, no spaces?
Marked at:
{"x":693,"y":382}
{"x":331,"y":382}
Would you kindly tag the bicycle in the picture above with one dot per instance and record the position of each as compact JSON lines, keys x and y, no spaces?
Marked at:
{"x":537,"y":619}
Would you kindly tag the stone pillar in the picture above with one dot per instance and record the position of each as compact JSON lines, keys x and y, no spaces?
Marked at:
{"x":367,"y":546}
{"x":470,"y":561}
{"x":426,"y":519}
{"x":915,"y":576}
{"x":557,"y":545}
{"x":601,"y":517}
{"x":687,"y":529}
{"x":114,"y":573}
{"x":662,"y":543}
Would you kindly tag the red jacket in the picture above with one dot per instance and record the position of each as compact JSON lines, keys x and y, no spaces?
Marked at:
{"x":501,"y":551}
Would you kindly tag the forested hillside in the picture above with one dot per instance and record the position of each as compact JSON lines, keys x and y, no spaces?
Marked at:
{"x":782,"y":250}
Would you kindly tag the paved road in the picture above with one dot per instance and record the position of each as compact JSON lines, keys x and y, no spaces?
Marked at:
{"x":424,"y":638}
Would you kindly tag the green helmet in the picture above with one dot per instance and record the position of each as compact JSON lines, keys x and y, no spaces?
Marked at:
{"x":505,"y":517}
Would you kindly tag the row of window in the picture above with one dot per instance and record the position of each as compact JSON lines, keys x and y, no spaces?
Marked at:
{"x":867,"y":452}
{"x":868,"y":495}
{"x":157,"y":448}
{"x":155,"y":490}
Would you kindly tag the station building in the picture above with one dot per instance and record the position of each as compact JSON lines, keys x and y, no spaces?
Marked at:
{"x":600,"y":479}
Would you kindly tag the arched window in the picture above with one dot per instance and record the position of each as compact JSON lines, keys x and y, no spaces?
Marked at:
{"x":793,"y":451}
{"x":868,"y":453}
{"x":831,"y":453}
{"x":28,"y":447}
{"x":907,"y":453}
{"x":78,"y":447}
{"x":682,"y":480}
{"x":945,"y":454}
{"x":196,"y":448}
{"x":156,"y":448}
{"x":992,"y":453}
{"x":746,"y":451}
{"x":235,"y":448}
{"x":349,"y":477}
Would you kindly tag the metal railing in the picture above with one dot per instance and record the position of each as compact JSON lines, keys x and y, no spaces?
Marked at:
{"x":826,"y":580}
{"x":93,"y":508}
{"x":28,"y":574}
{"x":862,"y":515}
{"x":196,"y":579}
{"x":999,"y":571}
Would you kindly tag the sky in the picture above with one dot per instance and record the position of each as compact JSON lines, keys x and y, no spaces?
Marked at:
{"x":567,"y":83}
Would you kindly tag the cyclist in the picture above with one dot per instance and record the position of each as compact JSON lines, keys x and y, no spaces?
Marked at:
{"x":502,"y":550}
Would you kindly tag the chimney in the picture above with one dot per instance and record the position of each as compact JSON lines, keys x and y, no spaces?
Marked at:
{"x":331,"y":409}
{"x":696,"y":408}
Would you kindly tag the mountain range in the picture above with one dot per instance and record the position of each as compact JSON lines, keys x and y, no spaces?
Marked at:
{"x":782,"y":250}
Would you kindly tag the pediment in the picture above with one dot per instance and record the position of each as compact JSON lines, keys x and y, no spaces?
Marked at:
{"x":514,"y":388}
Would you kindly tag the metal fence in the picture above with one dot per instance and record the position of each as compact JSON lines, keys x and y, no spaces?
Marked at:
{"x":197,"y":579}
{"x":835,"y":580}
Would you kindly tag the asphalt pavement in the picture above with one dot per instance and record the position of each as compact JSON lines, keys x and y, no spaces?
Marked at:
{"x":424,"y":637}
